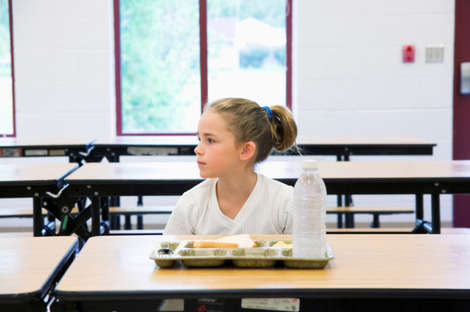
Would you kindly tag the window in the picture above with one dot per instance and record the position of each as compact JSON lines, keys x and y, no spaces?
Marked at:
{"x":174,"y":56}
{"x":7,"y":124}
{"x":247,"y":50}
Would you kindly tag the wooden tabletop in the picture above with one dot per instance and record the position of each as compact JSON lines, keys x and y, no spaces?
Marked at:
{"x":163,"y":170}
{"x":391,"y":169}
{"x":29,"y":262}
{"x":44,"y":142}
{"x":349,"y":140}
{"x":285,"y":169}
{"x":154,"y":141}
{"x":35,"y":173}
{"x":177,"y":140}
{"x":366,"y":264}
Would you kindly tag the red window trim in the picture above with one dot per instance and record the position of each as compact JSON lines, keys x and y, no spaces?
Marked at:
{"x":289,"y":54}
{"x":10,"y":14}
{"x":117,"y":65}
{"x":203,"y":49}
{"x":203,"y":61}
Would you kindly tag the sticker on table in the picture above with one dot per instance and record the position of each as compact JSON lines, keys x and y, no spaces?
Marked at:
{"x":35,"y":152}
{"x":10,"y":152}
{"x":159,"y":151}
{"x":274,"y":304}
{"x":57,"y":152}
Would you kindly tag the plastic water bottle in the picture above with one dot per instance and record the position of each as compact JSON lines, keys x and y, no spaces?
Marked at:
{"x":309,"y":227}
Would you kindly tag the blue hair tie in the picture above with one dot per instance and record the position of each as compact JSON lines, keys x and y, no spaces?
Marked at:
{"x":269,"y":111}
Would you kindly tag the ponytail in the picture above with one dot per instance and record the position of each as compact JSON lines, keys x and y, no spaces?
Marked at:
{"x":283,"y":128}
{"x":268,"y":127}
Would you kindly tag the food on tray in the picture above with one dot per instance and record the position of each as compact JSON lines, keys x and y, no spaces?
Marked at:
{"x":213,"y":244}
{"x":233,"y":241}
{"x":282,"y":244}
{"x":266,"y":253}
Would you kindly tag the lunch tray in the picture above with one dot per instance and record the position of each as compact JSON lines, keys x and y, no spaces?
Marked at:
{"x":263,"y":255}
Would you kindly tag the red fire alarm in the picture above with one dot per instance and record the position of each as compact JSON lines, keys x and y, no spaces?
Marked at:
{"x":408,"y":53}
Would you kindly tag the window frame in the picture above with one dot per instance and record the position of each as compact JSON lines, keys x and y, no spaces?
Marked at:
{"x":12,"y":65}
{"x":203,"y":64}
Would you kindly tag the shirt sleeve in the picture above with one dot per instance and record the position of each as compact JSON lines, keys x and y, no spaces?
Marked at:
{"x":286,"y":214}
{"x":179,"y":222}
{"x":284,"y":202}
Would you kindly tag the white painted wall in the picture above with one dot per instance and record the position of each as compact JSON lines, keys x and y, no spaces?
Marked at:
{"x":350,"y":80}
{"x":64,"y":68}
{"x":348,"y":74}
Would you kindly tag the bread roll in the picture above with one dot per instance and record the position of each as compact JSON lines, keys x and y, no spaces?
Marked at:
{"x":214,"y":244}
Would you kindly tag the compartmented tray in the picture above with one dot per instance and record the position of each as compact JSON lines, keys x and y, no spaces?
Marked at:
{"x":264,"y":254}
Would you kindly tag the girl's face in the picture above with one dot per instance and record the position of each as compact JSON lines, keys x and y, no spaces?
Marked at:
{"x":217,"y":153}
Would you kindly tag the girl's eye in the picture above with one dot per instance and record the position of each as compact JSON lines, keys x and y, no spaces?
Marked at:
{"x":210,"y":141}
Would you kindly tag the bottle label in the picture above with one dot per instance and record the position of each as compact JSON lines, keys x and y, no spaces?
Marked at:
{"x":309,"y":229}
{"x":309,"y":217}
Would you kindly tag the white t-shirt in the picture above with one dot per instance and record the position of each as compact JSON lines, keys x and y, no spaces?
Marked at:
{"x":268,"y":210}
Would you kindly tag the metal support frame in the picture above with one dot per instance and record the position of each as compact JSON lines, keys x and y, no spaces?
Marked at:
{"x":349,"y":300}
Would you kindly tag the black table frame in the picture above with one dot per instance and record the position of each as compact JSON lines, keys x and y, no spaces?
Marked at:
{"x":46,"y":194}
{"x":342,"y":151}
{"x":354,"y":299}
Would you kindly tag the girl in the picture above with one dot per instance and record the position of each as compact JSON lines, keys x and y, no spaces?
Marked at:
{"x":234,"y":134}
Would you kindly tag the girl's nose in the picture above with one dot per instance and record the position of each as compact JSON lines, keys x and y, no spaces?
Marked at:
{"x":197,"y":150}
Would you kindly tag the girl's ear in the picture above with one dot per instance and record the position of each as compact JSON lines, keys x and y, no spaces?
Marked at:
{"x":248,"y":150}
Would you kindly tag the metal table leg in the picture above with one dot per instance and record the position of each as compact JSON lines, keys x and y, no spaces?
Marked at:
{"x":95,"y":216}
{"x":435,"y":213}
{"x":38,"y":221}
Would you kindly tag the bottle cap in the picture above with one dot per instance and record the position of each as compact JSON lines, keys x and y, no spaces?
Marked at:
{"x":309,"y":164}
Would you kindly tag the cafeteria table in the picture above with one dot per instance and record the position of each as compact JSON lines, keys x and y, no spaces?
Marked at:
{"x":370,"y":272}
{"x":75,"y":149}
{"x":30,"y":268}
{"x":341,"y":147}
{"x":100,"y":180}
{"x":95,"y":150}
{"x":44,"y":183}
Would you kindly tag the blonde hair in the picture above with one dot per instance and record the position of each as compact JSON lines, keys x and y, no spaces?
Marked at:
{"x":250,"y":122}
